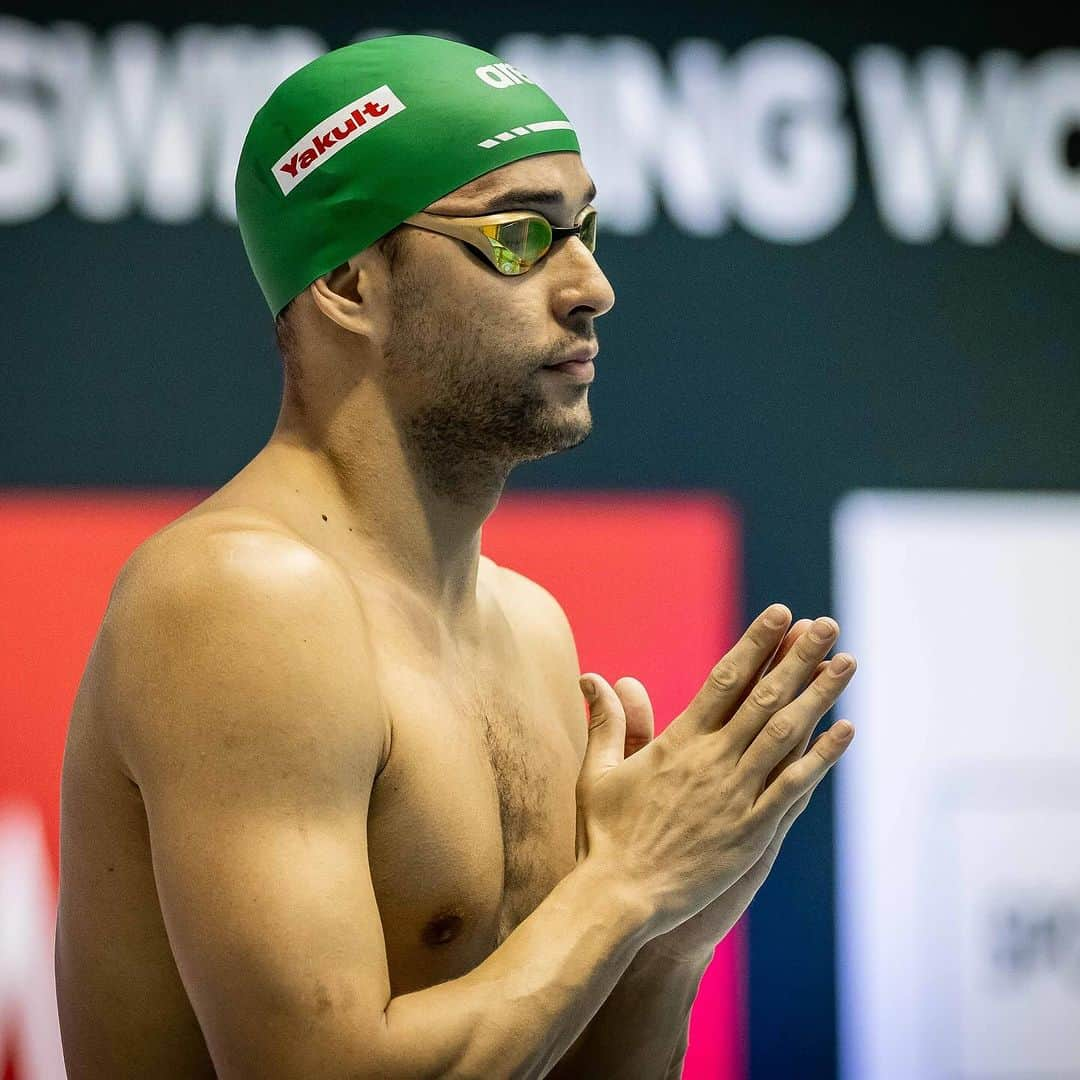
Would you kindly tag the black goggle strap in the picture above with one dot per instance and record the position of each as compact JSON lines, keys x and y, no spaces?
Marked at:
{"x":557,"y":233}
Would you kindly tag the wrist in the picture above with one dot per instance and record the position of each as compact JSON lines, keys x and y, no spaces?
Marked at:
{"x":627,"y":902}
{"x":655,"y":951}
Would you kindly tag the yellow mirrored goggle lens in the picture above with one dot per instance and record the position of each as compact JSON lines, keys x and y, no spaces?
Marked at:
{"x":588,"y":230}
{"x":516,"y":246}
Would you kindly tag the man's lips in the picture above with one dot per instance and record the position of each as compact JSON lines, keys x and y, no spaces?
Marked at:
{"x":579,"y":367}
{"x":580,"y":357}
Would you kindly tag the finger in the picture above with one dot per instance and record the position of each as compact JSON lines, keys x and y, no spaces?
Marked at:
{"x":797,"y":630}
{"x":800,"y":749}
{"x":792,"y":756}
{"x":793,"y":635}
{"x":607,"y":727}
{"x":794,"y":811}
{"x":800,"y":779}
{"x":779,"y":687}
{"x":788,"y":727}
{"x":640,"y":722}
{"x":781,"y":651}
{"x":731,"y":677}
{"x":764,"y":865}
{"x":769,"y":857}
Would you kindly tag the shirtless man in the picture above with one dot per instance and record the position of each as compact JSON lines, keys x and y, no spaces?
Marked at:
{"x":330,"y":807}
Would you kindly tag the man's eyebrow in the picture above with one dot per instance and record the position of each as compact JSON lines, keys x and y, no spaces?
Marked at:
{"x":532,"y":197}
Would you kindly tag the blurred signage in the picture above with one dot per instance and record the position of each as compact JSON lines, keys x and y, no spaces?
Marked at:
{"x":134,"y":121}
{"x":958,"y":808}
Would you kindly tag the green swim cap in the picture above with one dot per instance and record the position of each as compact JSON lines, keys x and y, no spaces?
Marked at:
{"x":353,"y":143}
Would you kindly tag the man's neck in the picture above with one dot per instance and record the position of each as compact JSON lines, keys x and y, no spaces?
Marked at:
{"x":365,"y":502}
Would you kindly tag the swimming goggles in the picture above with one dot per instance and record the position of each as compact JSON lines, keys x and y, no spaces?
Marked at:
{"x":512,"y":242}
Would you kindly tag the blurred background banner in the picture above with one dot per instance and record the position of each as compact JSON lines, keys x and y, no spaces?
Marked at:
{"x":958,"y":909}
{"x":843,"y":244}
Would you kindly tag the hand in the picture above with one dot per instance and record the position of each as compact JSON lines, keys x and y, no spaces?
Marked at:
{"x":695,"y":939}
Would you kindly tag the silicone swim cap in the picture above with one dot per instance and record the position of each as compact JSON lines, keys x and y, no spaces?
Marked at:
{"x":353,"y":143}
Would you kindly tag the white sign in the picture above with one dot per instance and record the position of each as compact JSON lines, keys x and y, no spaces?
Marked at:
{"x":958,"y":805}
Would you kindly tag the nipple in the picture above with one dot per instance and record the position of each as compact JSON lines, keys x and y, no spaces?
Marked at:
{"x":442,"y":929}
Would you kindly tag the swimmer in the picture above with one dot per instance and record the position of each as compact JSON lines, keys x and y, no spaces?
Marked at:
{"x":330,"y":807}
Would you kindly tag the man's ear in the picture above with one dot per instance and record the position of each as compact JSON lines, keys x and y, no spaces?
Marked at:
{"x":353,"y":295}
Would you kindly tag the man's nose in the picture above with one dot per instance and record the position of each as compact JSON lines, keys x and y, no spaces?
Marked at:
{"x":583,"y":283}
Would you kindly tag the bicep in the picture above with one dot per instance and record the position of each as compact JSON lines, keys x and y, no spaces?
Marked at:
{"x":275,"y":930}
{"x":253,"y":731}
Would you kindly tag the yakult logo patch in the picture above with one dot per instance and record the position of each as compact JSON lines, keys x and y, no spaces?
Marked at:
{"x":327,"y":137}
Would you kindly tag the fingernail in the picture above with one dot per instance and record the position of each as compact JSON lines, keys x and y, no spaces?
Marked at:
{"x":843,"y":729}
{"x":776,"y":616}
{"x":588,"y":688}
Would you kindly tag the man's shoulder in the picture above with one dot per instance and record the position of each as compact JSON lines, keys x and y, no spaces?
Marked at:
{"x":236,"y":579}
{"x":543,"y":630}
{"x":208,"y":558}
{"x":525,"y":600}
{"x":539,"y":619}
{"x":222,"y":618}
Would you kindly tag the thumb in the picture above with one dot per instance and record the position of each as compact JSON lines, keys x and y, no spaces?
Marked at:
{"x":607,"y":726}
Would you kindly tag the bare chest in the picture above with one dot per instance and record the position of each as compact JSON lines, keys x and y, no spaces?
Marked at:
{"x":472,"y":819}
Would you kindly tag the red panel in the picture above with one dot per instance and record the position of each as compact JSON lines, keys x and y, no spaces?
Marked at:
{"x":650,"y":584}
{"x":60,"y":553}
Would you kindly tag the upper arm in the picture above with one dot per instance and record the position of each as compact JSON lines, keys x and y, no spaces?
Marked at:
{"x":248,"y":716}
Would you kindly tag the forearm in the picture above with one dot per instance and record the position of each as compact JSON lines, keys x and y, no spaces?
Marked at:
{"x":641,"y":1031}
{"x":518,"y":1012}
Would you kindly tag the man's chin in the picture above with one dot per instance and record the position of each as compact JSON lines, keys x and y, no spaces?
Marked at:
{"x":555,"y":441}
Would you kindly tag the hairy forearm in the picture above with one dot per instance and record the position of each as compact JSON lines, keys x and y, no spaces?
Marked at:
{"x":641,"y":1031}
{"x":517,"y":1013}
